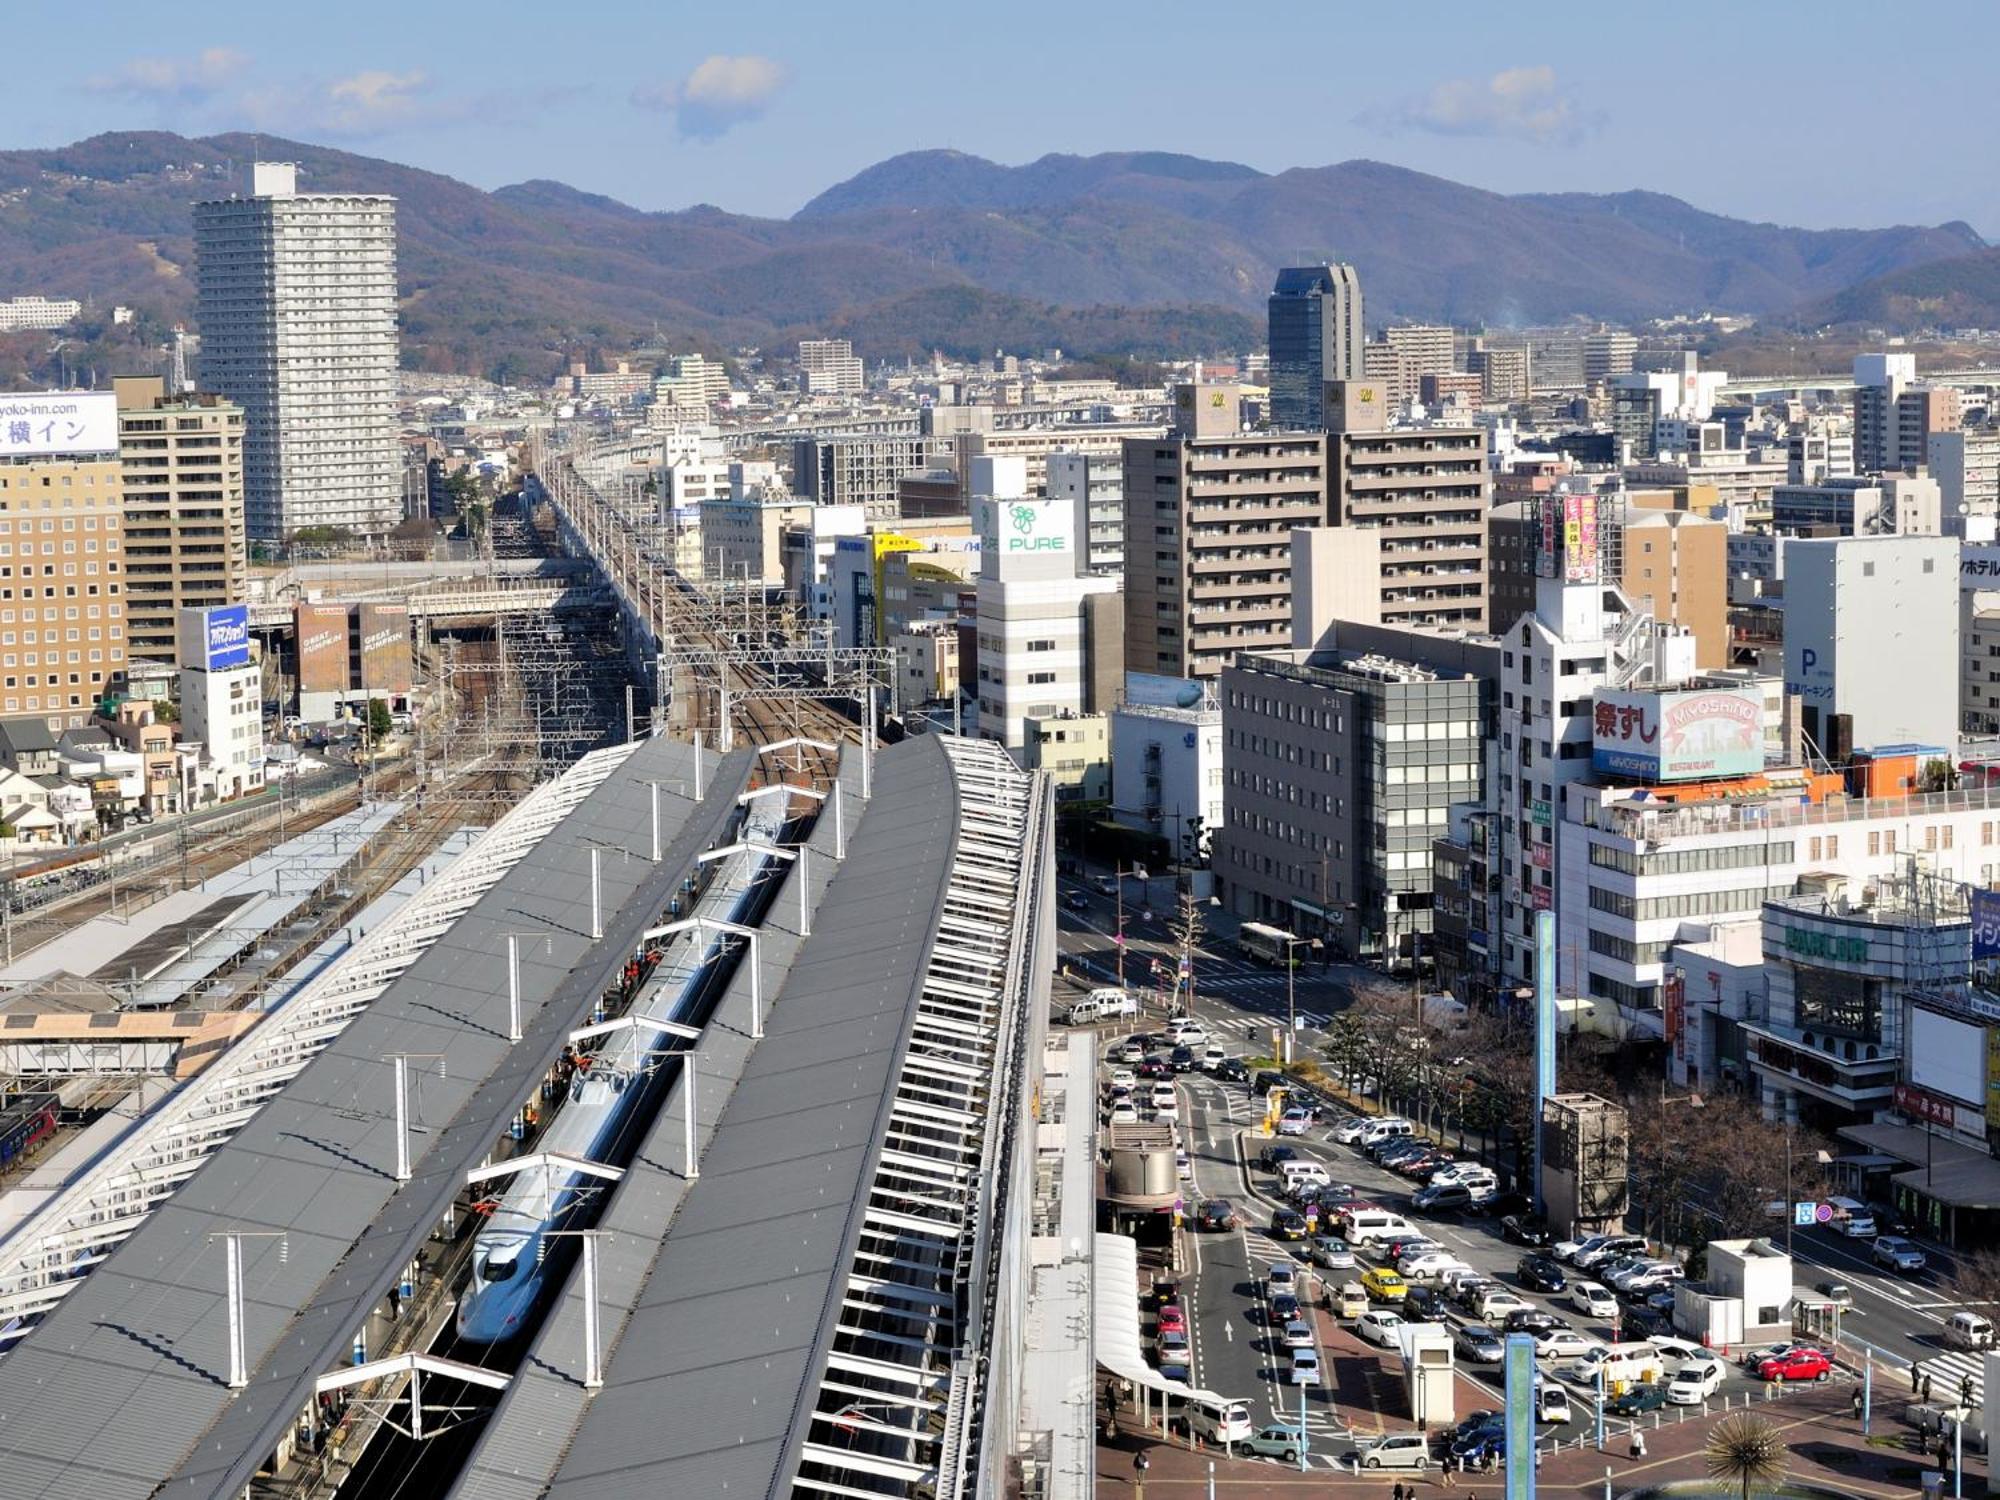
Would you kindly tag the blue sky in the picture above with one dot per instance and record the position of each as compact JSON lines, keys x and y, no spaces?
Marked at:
{"x":1815,"y":114}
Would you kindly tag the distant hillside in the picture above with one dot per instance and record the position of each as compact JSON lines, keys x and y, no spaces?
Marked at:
{"x":1963,"y":292}
{"x":1129,"y":253}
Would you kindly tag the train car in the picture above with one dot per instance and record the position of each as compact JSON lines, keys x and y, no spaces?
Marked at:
{"x":604,"y":1106}
{"x":26,"y":1120}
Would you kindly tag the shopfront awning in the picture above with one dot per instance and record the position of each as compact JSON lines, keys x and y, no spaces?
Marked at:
{"x":1115,"y":1319}
{"x":1942,"y":1169}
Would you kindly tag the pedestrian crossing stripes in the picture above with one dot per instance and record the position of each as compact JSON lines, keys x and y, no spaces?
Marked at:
{"x":1947,"y":1373}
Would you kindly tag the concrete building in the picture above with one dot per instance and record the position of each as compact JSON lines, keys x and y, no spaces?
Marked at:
{"x":185,"y":540}
{"x":1075,"y":751}
{"x":18,"y":314}
{"x":1043,"y":632}
{"x":1979,"y":670}
{"x":62,"y":557}
{"x":222,"y":699}
{"x":1035,"y":446}
{"x":743,"y":537}
{"x":1607,"y":354}
{"x":1427,"y":348}
{"x":1209,"y":512}
{"x":1095,"y":483}
{"x":1643,"y":399}
{"x":1166,"y":772}
{"x":1424,"y":491}
{"x":1504,"y":370}
{"x":1316,"y":334}
{"x":1818,"y":449}
{"x":1894,"y":415}
{"x":1871,"y":635}
{"x":691,"y":381}
{"x":927,"y":671}
{"x":296,"y":293}
{"x":1341,"y":769}
{"x":1675,"y":564}
{"x":829,"y":367}
{"x":1966,"y":466}
{"x":863,"y":471}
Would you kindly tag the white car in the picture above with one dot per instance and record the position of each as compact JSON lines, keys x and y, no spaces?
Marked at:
{"x":1305,"y":1367}
{"x":1675,"y":1351}
{"x":1378,"y":1326}
{"x":1124,"y":1114}
{"x":1583,"y":1369}
{"x":1297,"y":1336}
{"x":1414,"y":1250}
{"x":1185,"y":1033}
{"x":1551,"y":1403}
{"x":1124,"y":1078}
{"x":1347,"y":1132}
{"x":1280,"y":1276}
{"x":1184,"y":1166}
{"x":1589,"y":1297}
{"x":1430,"y":1265}
{"x":1695,"y":1381}
{"x":1213,"y":1058}
{"x":1462,"y":1174}
{"x":1400,"y":1450}
{"x":1496,"y":1304}
{"x":1562,"y":1343}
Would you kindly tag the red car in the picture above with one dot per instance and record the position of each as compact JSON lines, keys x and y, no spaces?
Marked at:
{"x":1796,"y":1364}
{"x":1172,"y":1319}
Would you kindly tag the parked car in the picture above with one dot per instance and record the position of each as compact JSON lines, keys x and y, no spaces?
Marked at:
{"x":1612,"y":1246}
{"x":1524,"y":1229}
{"x":1398,"y":1450}
{"x":1478,"y":1343}
{"x":1423,"y":1304}
{"x":1378,"y":1326}
{"x":1435,"y":1199}
{"x":1561,"y":1343}
{"x":1295,"y":1122}
{"x":1540,"y":1273}
{"x":1531,"y":1320}
{"x":1497,"y":1302}
{"x":1171,"y":1318}
{"x":1898,"y":1254}
{"x":1276,"y":1441}
{"x":1695,"y":1381}
{"x":1639,"y":1398}
{"x":1796,"y":1364}
{"x":1348,"y":1131}
{"x":1594,"y":1301}
{"x":1272,"y":1157}
{"x":1753,"y":1358}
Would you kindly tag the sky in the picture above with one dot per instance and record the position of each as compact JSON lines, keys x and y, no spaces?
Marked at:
{"x":1759,"y":111}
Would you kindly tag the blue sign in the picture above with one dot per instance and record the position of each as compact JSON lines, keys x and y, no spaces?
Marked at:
{"x":1805,"y":1214}
{"x":1985,"y":924}
{"x":228,"y":636}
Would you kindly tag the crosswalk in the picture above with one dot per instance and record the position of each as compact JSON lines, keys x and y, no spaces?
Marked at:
{"x":1948,"y":1371}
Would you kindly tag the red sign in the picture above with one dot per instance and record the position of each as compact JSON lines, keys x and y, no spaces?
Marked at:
{"x":1922,"y":1104}
{"x":1674,"y":992}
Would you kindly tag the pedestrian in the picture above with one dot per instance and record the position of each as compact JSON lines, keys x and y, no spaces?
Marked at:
{"x":1857,"y":1403}
{"x":1397,"y":1492}
{"x":1445,"y":1467}
{"x":1638,"y":1443}
{"x":1927,"y":1386}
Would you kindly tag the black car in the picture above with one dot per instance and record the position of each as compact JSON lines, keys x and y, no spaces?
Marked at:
{"x":1076,"y":901}
{"x":1284,"y":1309}
{"x":1231,"y":1070}
{"x":1522,"y":1229}
{"x":1181,"y":1059}
{"x":1530,"y":1320}
{"x":1216,"y":1213}
{"x":1540,"y":1273}
{"x":1887,"y":1220}
{"x":1422,"y":1304}
{"x":1501,"y":1205}
{"x":1274,"y":1156}
{"x":1268,"y":1080}
{"x":1288,"y":1224}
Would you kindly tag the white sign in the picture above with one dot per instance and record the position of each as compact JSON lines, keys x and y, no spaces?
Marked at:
{"x":57,"y":424}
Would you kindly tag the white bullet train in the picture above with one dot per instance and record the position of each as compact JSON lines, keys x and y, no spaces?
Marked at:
{"x":607,"y":1103}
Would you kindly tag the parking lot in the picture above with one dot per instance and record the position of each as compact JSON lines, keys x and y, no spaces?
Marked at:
{"x":1309,"y":1364}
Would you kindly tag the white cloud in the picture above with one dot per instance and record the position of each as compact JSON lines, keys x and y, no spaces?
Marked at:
{"x":186,"y":80}
{"x":1516,"y":103}
{"x":721,"y":93}
{"x":369,"y":103}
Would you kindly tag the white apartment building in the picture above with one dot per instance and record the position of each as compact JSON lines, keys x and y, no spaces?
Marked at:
{"x":1033,"y":628}
{"x":1166,"y":771}
{"x":19,"y":313}
{"x":742,"y":535}
{"x":1095,"y":484}
{"x":296,"y":294}
{"x":1966,"y":466}
{"x":828,"y":367}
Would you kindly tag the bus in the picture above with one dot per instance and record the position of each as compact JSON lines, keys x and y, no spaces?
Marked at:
{"x":1265,"y":944}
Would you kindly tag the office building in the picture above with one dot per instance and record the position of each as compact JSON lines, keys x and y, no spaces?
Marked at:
{"x":1209,"y":511}
{"x":296,"y":293}
{"x":1675,"y":565}
{"x":1424,"y":491}
{"x":1966,"y":466}
{"x":1979,"y":671}
{"x":1341,"y":768}
{"x":865,"y":470}
{"x":1075,"y":751}
{"x":185,"y":539}
{"x":1894,"y":415}
{"x":1035,"y":446}
{"x":742,"y":537}
{"x":62,"y":552}
{"x":829,"y":367}
{"x":222,"y":701}
{"x":1427,"y":348}
{"x":1642,"y":402}
{"x":1818,"y":449}
{"x":1166,"y":772}
{"x":1606,"y":353}
{"x":1095,"y":484}
{"x":1049,"y":633}
{"x":1871,"y":639}
{"x":1316,"y":335}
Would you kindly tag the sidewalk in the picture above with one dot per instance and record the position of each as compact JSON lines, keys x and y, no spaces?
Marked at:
{"x":1821,"y":1438}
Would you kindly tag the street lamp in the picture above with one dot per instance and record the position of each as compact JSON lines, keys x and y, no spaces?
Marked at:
{"x":1291,"y":995}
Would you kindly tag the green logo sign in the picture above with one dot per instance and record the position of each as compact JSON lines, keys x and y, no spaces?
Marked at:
{"x":1841,"y":950}
{"x":1022,"y":518}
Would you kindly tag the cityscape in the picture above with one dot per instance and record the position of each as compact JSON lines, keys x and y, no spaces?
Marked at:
{"x":718,"y":779}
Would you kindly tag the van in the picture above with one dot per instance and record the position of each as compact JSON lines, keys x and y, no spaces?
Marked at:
{"x":1220,"y":1421}
{"x":1632,"y":1364}
{"x":1968,"y":1330}
{"x":1376,"y":1225}
{"x":1113,"y":1002}
{"x":1302,"y":1169}
{"x":1383,"y":1130}
{"x":1852,"y":1218}
{"x":1083,"y":1012}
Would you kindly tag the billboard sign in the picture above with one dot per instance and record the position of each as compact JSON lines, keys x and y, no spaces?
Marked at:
{"x":1035,"y":526}
{"x":322,"y":636}
{"x":1922,"y":1105}
{"x":385,"y":647}
{"x":215,"y":639}
{"x":1568,"y":537}
{"x":58,"y":424}
{"x":1688,"y":736}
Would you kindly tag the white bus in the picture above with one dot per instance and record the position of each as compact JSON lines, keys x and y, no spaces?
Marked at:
{"x":1266,"y":944}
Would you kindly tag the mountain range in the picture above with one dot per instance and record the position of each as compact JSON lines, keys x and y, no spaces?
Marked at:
{"x":1142,"y":253}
